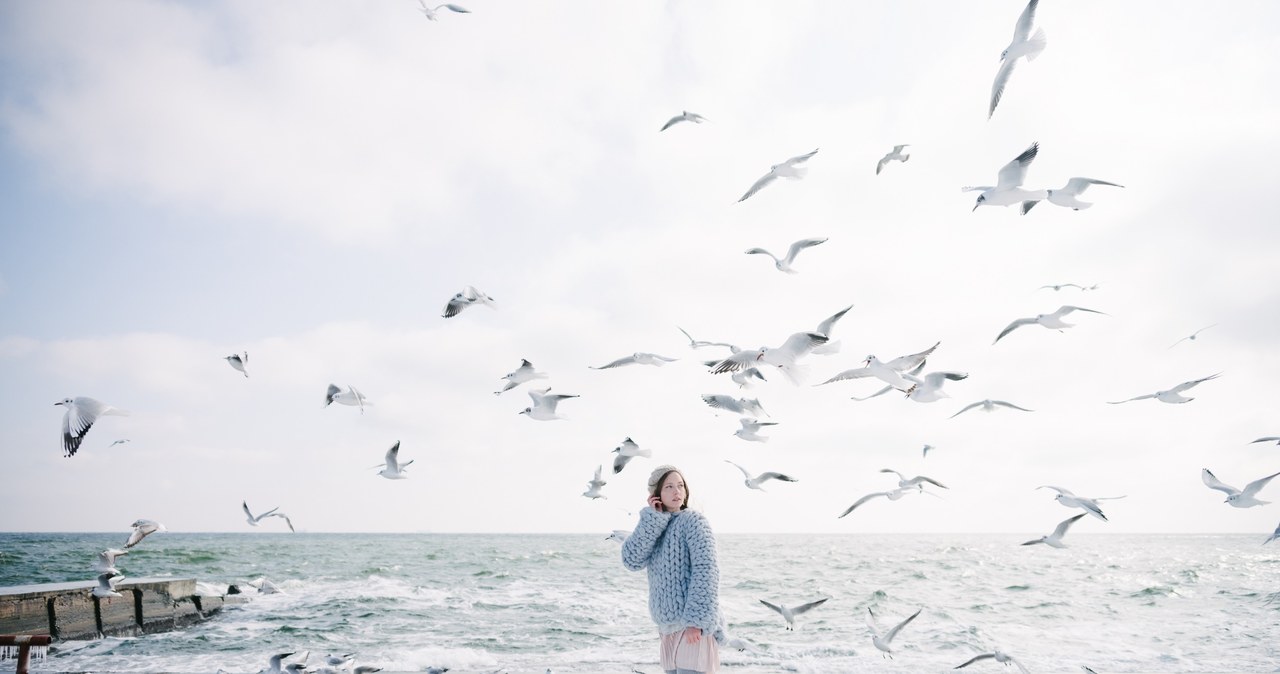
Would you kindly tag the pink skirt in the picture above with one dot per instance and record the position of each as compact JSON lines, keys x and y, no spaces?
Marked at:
{"x":676,"y":653}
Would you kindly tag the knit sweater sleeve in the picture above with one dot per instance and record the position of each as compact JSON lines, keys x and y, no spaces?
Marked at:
{"x":702,"y":603}
{"x":638,"y":547}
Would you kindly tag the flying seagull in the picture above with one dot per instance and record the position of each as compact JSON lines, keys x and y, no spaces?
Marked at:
{"x":892,"y":495}
{"x":1059,"y":286}
{"x":239,"y":361}
{"x":522,"y":374}
{"x":998,"y":656}
{"x":1172,"y":396}
{"x":1238,"y":498}
{"x":1052,"y":321}
{"x":430,"y":12}
{"x":1274,"y":535}
{"x":1070,"y":500}
{"x":699,"y":343}
{"x":1008,"y":188}
{"x":1066,"y":196}
{"x":882,"y":642}
{"x":466,"y":298}
{"x":755,"y":482}
{"x":106,"y":562}
{"x":1192,"y":336}
{"x":637,"y":358}
{"x":928,"y":389}
{"x":394,"y":470}
{"x":544,"y":404}
{"x":1023,"y":44}
{"x":350,"y":397}
{"x":784,"y":264}
{"x":789,"y":613}
{"x":904,"y":482}
{"x":81,"y":413}
{"x":593,"y":487}
{"x":627,"y":451}
{"x":784,"y":357}
{"x":751,"y":429}
{"x":894,"y":155}
{"x":142,"y":529}
{"x":788,"y":169}
{"x":107,"y":585}
{"x":742,"y":406}
{"x":988,"y":405}
{"x":684,"y":116}
{"x":1054,"y":540}
{"x":890,"y":372}
{"x":254,"y":519}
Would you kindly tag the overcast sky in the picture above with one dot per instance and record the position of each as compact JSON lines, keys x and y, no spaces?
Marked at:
{"x":310,"y":182}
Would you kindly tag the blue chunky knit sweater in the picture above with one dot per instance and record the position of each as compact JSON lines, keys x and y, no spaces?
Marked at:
{"x":684,"y":579}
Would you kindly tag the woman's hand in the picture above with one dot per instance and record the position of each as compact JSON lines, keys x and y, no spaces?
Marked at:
{"x":656,"y":503}
{"x":692,"y":635}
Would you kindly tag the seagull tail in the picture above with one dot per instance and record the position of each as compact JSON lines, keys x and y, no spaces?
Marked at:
{"x":1036,"y":44}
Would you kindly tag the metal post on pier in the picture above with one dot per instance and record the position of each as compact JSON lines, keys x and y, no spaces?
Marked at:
{"x":23,"y":644}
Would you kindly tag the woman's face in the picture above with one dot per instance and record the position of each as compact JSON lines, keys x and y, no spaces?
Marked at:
{"x":673,"y":492}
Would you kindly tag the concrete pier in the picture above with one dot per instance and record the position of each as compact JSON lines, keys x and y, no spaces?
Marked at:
{"x":70,"y":611}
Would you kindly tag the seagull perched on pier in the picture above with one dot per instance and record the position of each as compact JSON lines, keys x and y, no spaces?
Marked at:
{"x":1054,"y":540}
{"x":350,"y":397}
{"x":142,"y":529}
{"x":894,"y":155}
{"x":755,"y":482}
{"x":544,"y":404}
{"x":789,"y":169}
{"x":251,"y":518}
{"x":466,"y":298}
{"x":789,"y":613}
{"x":81,"y":413}
{"x":522,"y":374}
{"x":988,"y":405}
{"x":637,"y":358}
{"x":239,"y":361}
{"x":1008,"y":188}
{"x":1238,"y":498}
{"x":1052,"y":321}
{"x":684,"y":116}
{"x":394,"y":470}
{"x":784,"y":264}
{"x":626,"y":451}
{"x":882,"y":642}
{"x":1172,"y":396}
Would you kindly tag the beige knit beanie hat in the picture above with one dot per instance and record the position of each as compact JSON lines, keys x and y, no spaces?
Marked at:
{"x":658,"y":472}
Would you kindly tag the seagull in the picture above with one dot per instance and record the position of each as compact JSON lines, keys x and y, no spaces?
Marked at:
{"x":1059,"y":286}
{"x":892,"y":495}
{"x":265,"y":586}
{"x":619,"y":535}
{"x":890,"y":372}
{"x":755,"y":482}
{"x":107,"y":585}
{"x":466,"y":298}
{"x":894,"y":155}
{"x":251,"y":519}
{"x":298,"y":667}
{"x":1269,"y":438}
{"x":106,"y":562}
{"x":637,"y":358}
{"x":784,"y":264}
{"x":286,"y":519}
{"x":520,"y":375}
{"x":1090,"y":505}
{"x":750,"y":429}
{"x":1238,"y":498}
{"x":394,"y":470}
{"x":928,"y":389}
{"x":788,"y":169}
{"x":117,"y":442}
{"x":743,"y":377}
{"x":882,"y":643}
{"x":141,"y":529}
{"x":276,"y":661}
{"x":824,"y":328}
{"x":342,"y":661}
{"x":626,"y":451}
{"x":1023,"y":44}
{"x":698,"y":343}
{"x":1191,"y":336}
{"x":742,"y":406}
{"x":1274,"y":535}
{"x":1008,"y":188}
{"x":1053,"y":321}
{"x":789,"y":613}
{"x":1054,"y":540}
{"x":988,"y":405}
{"x":593,"y":487}
{"x":544,"y":404}
{"x":1173,"y":395}
{"x":925,"y":451}
{"x":239,"y":361}
{"x":684,"y":116}
{"x":81,"y":413}
{"x":1000,"y":657}
{"x":430,"y":12}
{"x":904,"y":483}
{"x":1066,"y":196}
{"x":784,"y":357}
{"x":348,"y":397}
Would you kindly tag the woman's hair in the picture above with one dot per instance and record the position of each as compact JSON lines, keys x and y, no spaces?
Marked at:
{"x":656,"y":488}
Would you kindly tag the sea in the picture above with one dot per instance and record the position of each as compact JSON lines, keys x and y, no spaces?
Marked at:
{"x":564,"y":603}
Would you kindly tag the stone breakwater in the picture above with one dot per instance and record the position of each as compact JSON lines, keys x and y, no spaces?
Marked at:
{"x":70,"y":611}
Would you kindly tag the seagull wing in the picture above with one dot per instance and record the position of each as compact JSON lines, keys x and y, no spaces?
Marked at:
{"x":873,"y":395}
{"x":1067,"y":308}
{"x":826,"y":326}
{"x":966,"y":408}
{"x":721,"y":402}
{"x":1010,"y":405}
{"x":1079,"y":185}
{"x":935,"y":379}
{"x":855,"y":373}
{"x":976,"y":658}
{"x":744,"y":470}
{"x":880,"y":164}
{"x":1269,"y":438}
{"x":282,"y":515}
{"x":805,"y":607}
{"x":997,"y":91}
{"x":1211,"y":481}
{"x":1254,"y":487}
{"x":1061,"y":530}
{"x":921,"y":478}
{"x":799,"y":246}
{"x":774,"y":607}
{"x":862,"y":500}
{"x":1188,"y":384}
{"x":903,"y":363}
{"x":783,"y":478}
{"x":735,"y":362}
{"x":1142,"y":397}
{"x":392,"y":456}
{"x":759,"y":184}
{"x":1014,"y":326}
{"x":801,"y":343}
{"x":671,"y":122}
{"x":888,"y":636}
{"x":617,"y":363}
{"x":1015,"y":172}
{"x":1022,"y":29}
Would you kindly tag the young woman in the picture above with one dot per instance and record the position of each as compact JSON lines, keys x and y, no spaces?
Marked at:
{"x":677,"y":547}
